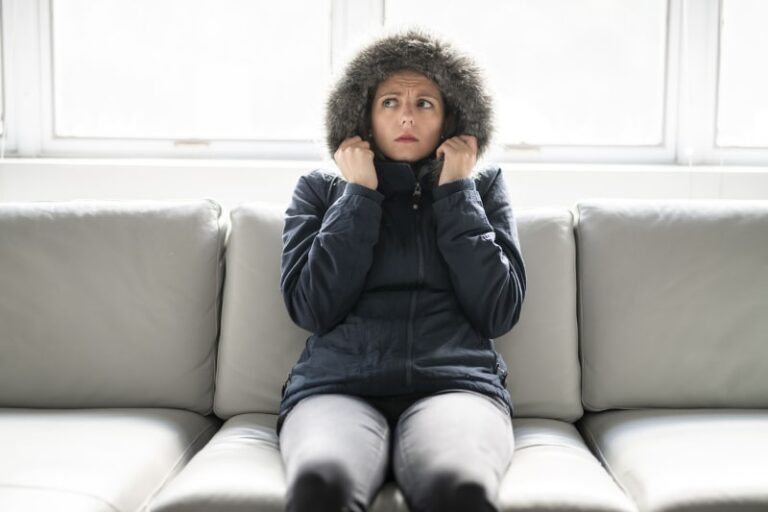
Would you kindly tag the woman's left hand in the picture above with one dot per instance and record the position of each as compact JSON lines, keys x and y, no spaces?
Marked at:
{"x":460,"y":157}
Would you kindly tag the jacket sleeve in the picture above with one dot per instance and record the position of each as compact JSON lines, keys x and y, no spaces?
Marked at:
{"x":327,"y":251}
{"x":478,"y":240}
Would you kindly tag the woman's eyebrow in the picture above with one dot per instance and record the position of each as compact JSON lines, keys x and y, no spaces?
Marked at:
{"x":420,"y":94}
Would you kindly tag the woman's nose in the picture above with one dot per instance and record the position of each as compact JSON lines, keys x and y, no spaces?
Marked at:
{"x":406,"y":116}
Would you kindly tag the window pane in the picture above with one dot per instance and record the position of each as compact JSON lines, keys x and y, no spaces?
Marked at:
{"x":742,"y":114}
{"x":570,"y":72}
{"x":233,"y":69}
{"x":2,"y":79}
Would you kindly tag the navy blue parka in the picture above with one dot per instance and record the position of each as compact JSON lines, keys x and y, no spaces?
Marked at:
{"x":404,"y":288}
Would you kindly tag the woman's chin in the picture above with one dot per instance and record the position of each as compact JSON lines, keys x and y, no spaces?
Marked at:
{"x":406,"y":156}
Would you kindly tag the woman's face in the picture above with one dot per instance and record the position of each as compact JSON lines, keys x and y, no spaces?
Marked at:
{"x":407,"y":116}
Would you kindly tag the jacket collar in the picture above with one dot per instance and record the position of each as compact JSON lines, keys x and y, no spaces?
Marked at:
{"x":397,"y":177}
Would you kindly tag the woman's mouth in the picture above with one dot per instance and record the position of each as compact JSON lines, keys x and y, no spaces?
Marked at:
{"x":406,"y":138}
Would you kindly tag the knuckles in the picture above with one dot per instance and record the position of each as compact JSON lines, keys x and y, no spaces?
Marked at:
{"x":353,"y":147}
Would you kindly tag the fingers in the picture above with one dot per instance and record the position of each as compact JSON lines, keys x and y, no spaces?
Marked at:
{"x":440,"y":151}
{"x":463,"y":143}
{"x":470,"y":140}
{"x":459,"y":155}
{"x":354,"y":141}
{"x":449,"y":146}
{"x":351,"y":143}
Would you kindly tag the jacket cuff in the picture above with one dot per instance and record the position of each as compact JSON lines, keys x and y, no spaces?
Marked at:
{"x":449,"y":188}
{"x":362,"y":190}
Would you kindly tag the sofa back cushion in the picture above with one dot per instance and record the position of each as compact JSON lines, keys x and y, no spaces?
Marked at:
{"x":109,"y":304}
{"x":259,"y":342}
{"x":673,"y":303}
{"x":542,"y":349}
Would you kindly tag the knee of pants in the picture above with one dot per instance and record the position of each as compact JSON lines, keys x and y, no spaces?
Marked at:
{"x":450,"y":492}
{"x":319,"y":487}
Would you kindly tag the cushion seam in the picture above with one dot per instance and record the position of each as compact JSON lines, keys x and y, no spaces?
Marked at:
{"x":173,"y":471}
{"x":601,"y":457}
{"x":536,"y":445}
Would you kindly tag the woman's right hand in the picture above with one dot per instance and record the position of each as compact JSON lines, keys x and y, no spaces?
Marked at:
{"x":355,"y":160}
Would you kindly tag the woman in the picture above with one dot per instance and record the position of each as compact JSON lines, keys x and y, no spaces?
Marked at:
{"x":404,"y":270}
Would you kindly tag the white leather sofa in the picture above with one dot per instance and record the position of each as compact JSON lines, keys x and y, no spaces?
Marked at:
{"x":108,"y":329}
{"x":143,"y":346}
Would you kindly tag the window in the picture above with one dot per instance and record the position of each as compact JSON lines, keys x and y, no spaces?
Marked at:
{"x":2,"y":88}
{"x":586,"y":73}
{"x":742,"y":109}
{"x":189,"y":69}
{"x":626,"y":81}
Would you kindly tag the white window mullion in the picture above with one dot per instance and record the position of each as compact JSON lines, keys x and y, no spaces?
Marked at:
{"x":673,"y":77}
{"x":3,"y":129}
{"x":22,"y":77}
{"x":46,"y":76}
{"x":698,"y":85}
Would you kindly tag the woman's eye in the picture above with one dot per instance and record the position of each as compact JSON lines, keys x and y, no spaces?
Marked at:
{"x":425,"y":103}
{"x":389,"y":102}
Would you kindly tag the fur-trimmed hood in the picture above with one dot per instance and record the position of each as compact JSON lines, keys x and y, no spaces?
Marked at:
{"x":468,"y":106}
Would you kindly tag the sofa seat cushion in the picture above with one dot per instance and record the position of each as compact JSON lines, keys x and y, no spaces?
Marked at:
{"x":685,"y":460}
{"x":552,"y":469}
{"x":93,"y":459}
{"x":241,"y":469}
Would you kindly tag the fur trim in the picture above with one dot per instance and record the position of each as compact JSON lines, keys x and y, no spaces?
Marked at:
{"x":458,"y":77}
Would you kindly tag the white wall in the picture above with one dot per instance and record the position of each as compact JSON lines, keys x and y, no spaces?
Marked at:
{"x":230,"y":182}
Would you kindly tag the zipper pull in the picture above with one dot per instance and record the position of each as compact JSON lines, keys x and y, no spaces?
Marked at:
{"x":416,"y":195}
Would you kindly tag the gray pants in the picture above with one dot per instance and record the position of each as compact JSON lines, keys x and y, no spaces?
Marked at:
{"x":446,"y":451}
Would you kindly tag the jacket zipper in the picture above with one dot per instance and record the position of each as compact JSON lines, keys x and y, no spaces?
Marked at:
{"x":409,"y":362}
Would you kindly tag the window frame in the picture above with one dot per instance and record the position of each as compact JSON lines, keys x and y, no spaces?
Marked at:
{"x":8,"y":144}
{"x":712,"y":152}
{"x":690,"y":113}
{"x":664,"y":152}
{"x":71,"y":146}
{"x":3,"y":130}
